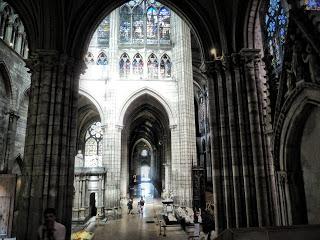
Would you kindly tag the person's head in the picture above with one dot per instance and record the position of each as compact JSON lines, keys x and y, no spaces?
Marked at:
{"x":49,"y":215}
{"x":141,"y":197}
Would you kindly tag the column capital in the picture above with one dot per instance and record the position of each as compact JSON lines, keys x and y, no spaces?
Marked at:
{"x":50,"y":58}
{"x":210,"y":67}
{"x":250,"y":54}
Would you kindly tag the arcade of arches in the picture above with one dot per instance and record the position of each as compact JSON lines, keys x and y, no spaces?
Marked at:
{"x":213,"y":104}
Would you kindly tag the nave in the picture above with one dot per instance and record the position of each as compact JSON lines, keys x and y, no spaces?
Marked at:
{"x":138,"y":227}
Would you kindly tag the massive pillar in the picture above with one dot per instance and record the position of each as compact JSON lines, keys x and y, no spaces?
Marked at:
{"x":47,"y":179}
{"x":184,"y":134}
{"x":239,"y":156}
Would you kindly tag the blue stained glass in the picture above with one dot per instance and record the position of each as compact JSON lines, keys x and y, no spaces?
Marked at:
{"x":125,"y":24}
{"x":152,"y":25}
{"x":138,"y":24}
{"x":276,"y":21}
{"x":312,"y":4}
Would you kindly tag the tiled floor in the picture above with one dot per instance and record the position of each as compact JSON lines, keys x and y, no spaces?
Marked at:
{"x":136,"y":227}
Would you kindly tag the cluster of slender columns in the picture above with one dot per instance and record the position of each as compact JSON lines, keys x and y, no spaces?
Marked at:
{"x":47,"y":179}
{"x":241,"y":177}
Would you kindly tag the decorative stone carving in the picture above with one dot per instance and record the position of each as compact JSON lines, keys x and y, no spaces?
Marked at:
{"x":312,"y":60}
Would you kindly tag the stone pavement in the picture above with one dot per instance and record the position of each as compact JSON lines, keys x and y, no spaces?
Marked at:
{"x":138,"y":227}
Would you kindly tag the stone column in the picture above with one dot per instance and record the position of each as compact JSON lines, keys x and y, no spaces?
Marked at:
{"x":243,"y":142}
{"x":47,"y":180}
{"x":251,"y":56}
{"x":113,"y":165}
{"x":124,"y":165}
{"x":182,"y":164}
{"x":213,"y":105}
{"x":8,"y":34}
{"x":10,"y":142}
{"x":233,"y":142}
{"x":18,"y":44}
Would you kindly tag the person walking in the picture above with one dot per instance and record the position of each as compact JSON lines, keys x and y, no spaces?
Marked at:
{"x":130,"y":205}
{"x":141,"y":205}
{"x":50,"y":229}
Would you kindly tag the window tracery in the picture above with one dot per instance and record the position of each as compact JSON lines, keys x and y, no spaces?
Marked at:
{"x":152,"y":25}
{"x":138,"y":24}
{"x":164,"y":24}
{"x":124,"y":65}
{"x":153,"y":66}
{"x":89,"y":59}
{"x":93,"y":145}
{"x":125,"y":24}
{"x":276,"y":21}
{"x":146,"y":21}
{"x":102,"y":59}
{"x":137,"y":64}
{"x":103,"y":32}
{"x":165,"y":66}
{"x":12,"y":30}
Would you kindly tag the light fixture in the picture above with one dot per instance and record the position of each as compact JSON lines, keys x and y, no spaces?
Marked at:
{"x":213,"y":52}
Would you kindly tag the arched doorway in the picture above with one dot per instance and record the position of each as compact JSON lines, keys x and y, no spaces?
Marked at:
{"x":146,"y":150}
{"x":299,"y":160}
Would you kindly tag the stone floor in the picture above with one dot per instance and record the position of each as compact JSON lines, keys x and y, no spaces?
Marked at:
{"x":138,"y":227}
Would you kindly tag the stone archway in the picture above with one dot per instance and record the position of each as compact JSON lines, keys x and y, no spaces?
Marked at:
{"x":296,"y":163}
{"x":145,"y":127}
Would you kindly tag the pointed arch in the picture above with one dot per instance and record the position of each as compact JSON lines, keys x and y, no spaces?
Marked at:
{"x":102,"y":59}
{"x":165,"y":66}
{"x":137,"y":64}
{"x":7,"y":79}
{"x":89,"y":58}
{"x":153,"y":66}
{"x":124,"y":65}
{"x":155,"y":95}
{"x":94,"y":101}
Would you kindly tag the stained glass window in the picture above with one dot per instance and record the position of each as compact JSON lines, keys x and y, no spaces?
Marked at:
{"x":103,"y":32}
{"x":164,"y":24}
{"x":102,"y":59}
{"x":124,"y":65}
{"x":137,"y":64}
{"x":152,"y":25}
{"x":153,"y":66}
{"x":125,"y":24}
{"x":165,"y":66}
{"x":89,"y":58}
{"x":138,"y":25}
{"x":93,"y":145}
{"x":312,"y":4}
{"x":150,"y":22}
{"x":276,"y":21}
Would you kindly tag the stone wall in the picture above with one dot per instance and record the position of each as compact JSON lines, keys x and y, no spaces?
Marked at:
{"x":14,"y":82}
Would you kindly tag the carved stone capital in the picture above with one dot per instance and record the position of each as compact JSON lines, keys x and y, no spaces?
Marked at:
{"x":42,"y":59}
{"x":211,"y":67}
{"x":250,"y":55}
